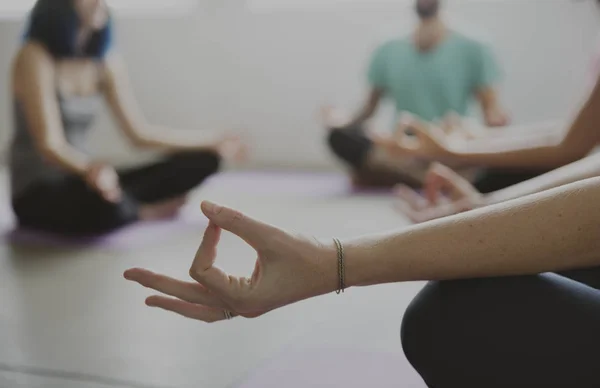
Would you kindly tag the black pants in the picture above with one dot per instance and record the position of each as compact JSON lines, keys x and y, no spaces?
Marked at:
{"x":70,"y":207}
{"x":529,"y":331}
{"x":352,"y":147}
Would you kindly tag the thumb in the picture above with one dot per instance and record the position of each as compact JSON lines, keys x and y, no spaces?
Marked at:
{"x":253,"y":232}
{"x":438,"y":179}
{"x":423,"y":133}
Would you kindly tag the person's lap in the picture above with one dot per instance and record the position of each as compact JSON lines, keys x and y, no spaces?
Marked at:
{"x":69,"y":206}
{"x":515,"y":331}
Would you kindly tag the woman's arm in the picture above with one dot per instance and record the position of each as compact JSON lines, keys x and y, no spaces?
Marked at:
{"x":550,"y":131}
{"x":34,"y":88}
{"x":122,"y":102}
{"x":588,"y":167}
{"x":581,"y":137}
{"x":552,"y":231}
{"x":449,"y":193}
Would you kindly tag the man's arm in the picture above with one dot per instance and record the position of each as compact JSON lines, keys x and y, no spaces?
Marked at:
{"x":377,"y":77}
{"x":369,"y":107}
{"x":493,"y":113}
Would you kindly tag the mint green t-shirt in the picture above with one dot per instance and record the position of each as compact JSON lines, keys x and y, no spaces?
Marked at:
{"x":433,"y":84}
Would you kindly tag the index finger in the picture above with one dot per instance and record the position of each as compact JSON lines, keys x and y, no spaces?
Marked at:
{"x":203,"y":269}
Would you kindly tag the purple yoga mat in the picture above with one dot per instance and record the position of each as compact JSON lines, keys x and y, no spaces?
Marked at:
{"x":335,"y":368}
{"x":297,"y":183}
{"x":140,"y":234}
{"x":137,"y":235}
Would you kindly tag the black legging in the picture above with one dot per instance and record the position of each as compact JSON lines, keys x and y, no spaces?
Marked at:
{"x":529,"y":331}
{"x":352,"y":147}
{"x":70,"y":207}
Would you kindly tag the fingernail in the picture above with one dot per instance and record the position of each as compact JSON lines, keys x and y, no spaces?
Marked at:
{"x":211,"y":208}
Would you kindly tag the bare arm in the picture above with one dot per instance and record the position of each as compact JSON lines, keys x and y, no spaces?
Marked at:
{"x":581,"y":137}
{"x":125,"y":108}
{"x":552,"y":231}
{"x":369,"y":108}
{"x":34,"y":87}
{"x":588,"y":167}
{"x":494,"y":114}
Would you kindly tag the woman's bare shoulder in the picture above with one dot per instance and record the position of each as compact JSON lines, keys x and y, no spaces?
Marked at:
{"x":30,"y":60}
{"x":32,"y":55}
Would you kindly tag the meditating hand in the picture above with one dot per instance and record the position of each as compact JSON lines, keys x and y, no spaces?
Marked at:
{"x":445,"y":193}
{"x":289,"y":268}
{"x":414,"y":138}
{"x":103,"y":179}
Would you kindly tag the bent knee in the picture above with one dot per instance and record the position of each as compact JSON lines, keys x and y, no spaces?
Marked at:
{"x":205,"y":161}
{"x":418,"y":325}
{"x":350,"y":145}
{"x":432,"y":325}
{"x":212,"y":160}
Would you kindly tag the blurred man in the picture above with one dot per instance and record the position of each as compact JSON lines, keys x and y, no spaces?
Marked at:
{"x":433,"y":72}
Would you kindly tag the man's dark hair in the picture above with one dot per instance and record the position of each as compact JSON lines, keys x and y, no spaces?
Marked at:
{"x":427,"y":9}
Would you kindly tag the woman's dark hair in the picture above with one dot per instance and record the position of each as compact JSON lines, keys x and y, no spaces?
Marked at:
{"x":54,"y":24}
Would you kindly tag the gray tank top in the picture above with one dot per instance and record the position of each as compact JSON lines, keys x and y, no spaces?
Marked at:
{"x":27,"y":166}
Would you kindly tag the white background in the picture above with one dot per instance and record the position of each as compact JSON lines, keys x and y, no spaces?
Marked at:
{"x":265,"y":70}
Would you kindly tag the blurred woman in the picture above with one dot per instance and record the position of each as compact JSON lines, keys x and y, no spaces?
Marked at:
{"x":63,"y":69}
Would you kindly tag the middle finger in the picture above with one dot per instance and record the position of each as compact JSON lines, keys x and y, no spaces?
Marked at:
{"x":187,"y":291}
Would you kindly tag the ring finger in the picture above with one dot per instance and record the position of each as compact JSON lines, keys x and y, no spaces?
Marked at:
{"x":190,"y":310}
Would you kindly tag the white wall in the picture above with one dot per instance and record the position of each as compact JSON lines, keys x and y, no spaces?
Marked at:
{"x":266,"y":72}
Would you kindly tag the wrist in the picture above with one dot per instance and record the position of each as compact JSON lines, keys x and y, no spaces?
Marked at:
{"x":88,"y":168}
{"x":449,"y":155}
{"x":357,"y":271}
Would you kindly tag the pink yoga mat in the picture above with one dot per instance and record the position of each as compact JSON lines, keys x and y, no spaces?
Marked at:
{"x":335,"y":368}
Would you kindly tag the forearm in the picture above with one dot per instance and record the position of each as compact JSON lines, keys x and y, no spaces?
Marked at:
{"x":67,"y":157}
{"x":360,"y":118}
{"x":167,"y":139}
{"x":368,"y":109}
{"x":552,"y":231}
{"x":588,"y":167}
{"x":534,"y":150}
{"x":552,"y":131}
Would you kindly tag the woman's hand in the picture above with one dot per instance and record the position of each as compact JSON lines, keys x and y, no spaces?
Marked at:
{"x":288,"y":269}
{"x":415,"y":138}
{"x":103,"y":179}
{"x":446,"y":193}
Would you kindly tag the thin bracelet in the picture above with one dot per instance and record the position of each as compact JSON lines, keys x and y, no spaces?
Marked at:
{"x":341,"y":266}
